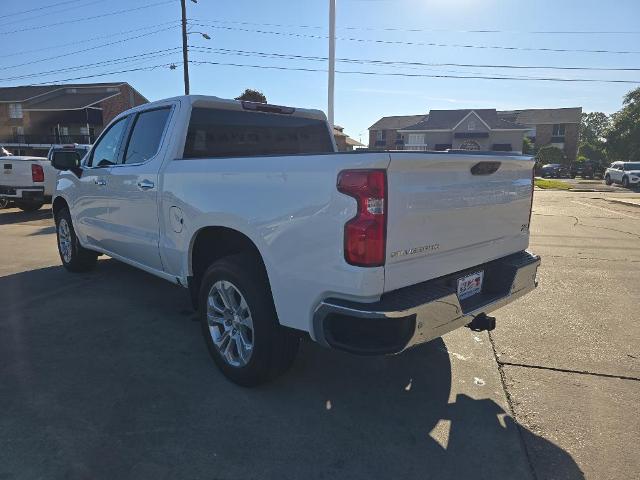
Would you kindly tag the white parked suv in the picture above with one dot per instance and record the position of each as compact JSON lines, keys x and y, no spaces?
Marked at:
{"x":276,"y":235}
{"x":625,"y":173}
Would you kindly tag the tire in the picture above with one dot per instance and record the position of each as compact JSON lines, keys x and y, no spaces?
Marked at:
{"x":254,"y":324}
{"x":625,"y":182}
{"x":607,"y":180}
{"x":29,"y":206}
{"x":74,"y":257}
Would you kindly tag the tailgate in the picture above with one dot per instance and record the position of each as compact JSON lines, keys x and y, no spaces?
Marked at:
{"x":15,"y":173}
{"x":451,"y":211}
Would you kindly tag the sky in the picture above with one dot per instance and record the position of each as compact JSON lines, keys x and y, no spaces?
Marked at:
{"x":53,"y":41}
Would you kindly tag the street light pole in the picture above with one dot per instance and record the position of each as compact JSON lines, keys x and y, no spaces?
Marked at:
{"x":185,"y":54}
{"x":332,"y":58}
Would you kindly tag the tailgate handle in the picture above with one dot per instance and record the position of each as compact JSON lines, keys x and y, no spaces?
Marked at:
{"x":485,"y":168}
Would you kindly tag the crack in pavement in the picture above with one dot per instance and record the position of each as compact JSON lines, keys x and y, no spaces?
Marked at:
{"x":512,"y":411}
{"x":567,"y":370}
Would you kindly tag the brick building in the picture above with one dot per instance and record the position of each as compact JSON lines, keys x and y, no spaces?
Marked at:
{"x":549,"y":126}
{"x":32,"y":118}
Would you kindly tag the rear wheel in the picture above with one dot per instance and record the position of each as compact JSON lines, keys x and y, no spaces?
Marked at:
{"x":74,"y":257}
{"x":625,"y":182}
{"x":26,"y":206}
{"x":607,"y":180}
{"x":239,"y":322}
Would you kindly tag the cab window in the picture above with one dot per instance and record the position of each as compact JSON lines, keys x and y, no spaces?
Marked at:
{"x":105,"y":152}
{"x":146,"y":134}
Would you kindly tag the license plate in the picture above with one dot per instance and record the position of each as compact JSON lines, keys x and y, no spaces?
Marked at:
{"x":470,"y":285}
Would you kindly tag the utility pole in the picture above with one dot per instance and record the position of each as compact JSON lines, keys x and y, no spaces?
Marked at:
{"x":332,"y":58}
{"x":185,"y":53}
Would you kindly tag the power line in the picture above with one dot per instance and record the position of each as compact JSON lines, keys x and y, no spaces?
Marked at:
{"x":87,"y":40}
{"x":419,"y":75}
{"x":403,"y":63}
{"x":90,"y":48}
{"x":351,"y":72}
{"x":47,"y":14}
{"x":39,"y":8}
{"x":421,"y":44}
{"x":93,"y":17}
{"x":431,"y":30}
{"x":103,"y":74}
{"x":137,"y":57}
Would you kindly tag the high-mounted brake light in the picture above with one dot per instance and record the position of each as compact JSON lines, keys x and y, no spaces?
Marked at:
{"x":365,"y":234}
{"x":37,"y":173}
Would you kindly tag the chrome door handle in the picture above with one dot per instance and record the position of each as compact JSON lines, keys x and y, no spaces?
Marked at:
{"x":145,"y":184}
{"x":100,"y":181}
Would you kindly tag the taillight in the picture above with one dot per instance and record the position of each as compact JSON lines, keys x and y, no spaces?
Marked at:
{"x":37,"y":173}
{"x":365,"y":234}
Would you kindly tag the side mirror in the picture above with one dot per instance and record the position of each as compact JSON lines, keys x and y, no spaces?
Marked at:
{"x":65,"y":160}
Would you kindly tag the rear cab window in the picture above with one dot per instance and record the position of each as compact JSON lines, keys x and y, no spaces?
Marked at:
{"x":231,"y":133}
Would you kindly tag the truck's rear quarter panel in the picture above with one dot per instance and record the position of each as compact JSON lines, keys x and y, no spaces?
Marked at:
{"x":290,"y":208}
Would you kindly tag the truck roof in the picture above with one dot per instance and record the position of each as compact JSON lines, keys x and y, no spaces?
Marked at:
{"x":209,"y":101}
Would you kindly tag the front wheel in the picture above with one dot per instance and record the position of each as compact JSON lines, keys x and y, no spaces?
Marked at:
{"x":625,"y":182}
{"x":607,"y":180}
{"x":75,"y":258}
{"x":29,"y":206}
{"x":239,"y":322}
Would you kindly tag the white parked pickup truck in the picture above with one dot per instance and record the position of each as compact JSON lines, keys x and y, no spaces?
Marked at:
{"x":276,"y":235}
{"x":27,"y":181}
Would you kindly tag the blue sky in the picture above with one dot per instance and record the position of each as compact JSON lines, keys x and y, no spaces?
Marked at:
{"x":360,"y":99}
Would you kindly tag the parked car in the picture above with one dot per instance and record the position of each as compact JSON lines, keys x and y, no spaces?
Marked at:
{"x":587,"y":169}
{"x":28,"y":182}
{"x":277,"y":236}
{"x":554,"y":170}
{"x":625,"y":173}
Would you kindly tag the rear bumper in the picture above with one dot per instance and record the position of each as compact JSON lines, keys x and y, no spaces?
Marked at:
{"x":27,"y":193}
{"x":419,"y":313}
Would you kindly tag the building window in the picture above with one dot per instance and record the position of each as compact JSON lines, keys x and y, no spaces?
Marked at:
{"x":15,"y":110}
{"x":17,"y":132}
{"x":558,"y":130}
{"x":470,"y":145}
{"x":471,"y":125}
{"x":416,"y":139}
{"x":501,"y":147}
{"x":84,"y":130}
{"x":380,"y":136}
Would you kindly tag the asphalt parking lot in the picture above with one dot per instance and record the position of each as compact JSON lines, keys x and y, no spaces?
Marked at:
{"x":105,"y":375}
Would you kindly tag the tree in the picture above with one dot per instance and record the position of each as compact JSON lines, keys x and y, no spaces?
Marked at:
{"x":527,"y":146}
{"x":623,"y":138}
{"x":594,"y":151}
{"x":251,"y":95}
{"x":549,"y":154}
{"x":594,"y":127}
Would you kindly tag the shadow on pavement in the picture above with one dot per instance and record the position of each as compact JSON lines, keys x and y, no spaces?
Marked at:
{"x":13,"y":216}
{"x":105,"y":375}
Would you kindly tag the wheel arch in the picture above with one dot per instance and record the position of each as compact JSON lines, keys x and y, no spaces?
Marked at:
{"x":212,"y":243}
{"x":58,"y":204}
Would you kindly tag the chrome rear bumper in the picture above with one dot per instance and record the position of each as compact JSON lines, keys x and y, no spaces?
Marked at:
{"x":422,"y":312}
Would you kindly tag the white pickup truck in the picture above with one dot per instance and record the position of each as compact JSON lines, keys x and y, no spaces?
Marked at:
{"x":276,"y":235}
{"x":26,"y":181}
